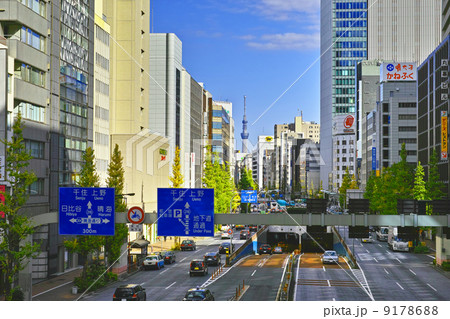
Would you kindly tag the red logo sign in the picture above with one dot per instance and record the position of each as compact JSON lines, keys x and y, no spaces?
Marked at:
{"x":163,"y":157}
{"x":348,"y":121}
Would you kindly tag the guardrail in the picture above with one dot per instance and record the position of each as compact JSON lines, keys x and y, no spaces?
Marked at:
{"x":286,"y":282}
{"x":232,"y":258}
{"x":352,"y":259}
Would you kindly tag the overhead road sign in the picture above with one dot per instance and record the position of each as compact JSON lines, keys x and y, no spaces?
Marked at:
{"x":358,"y":232}
{"x":358,"y":205}
{"x":249,"y":196}
{"x":186,"y":212}
{"x":135,"y":215}
{"x":316,"y":205}
{"x":86,"y":211}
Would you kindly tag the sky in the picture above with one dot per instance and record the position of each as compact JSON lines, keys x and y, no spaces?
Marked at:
{"x":267,"y":50}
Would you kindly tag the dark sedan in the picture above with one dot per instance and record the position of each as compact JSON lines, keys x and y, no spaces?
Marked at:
{"x":168,"y":256}
{"x":224,"y":248}
{"x":265,"y":249}
{"x":244,"y":234}
{"x":212,"y":258}
{"x":129,"y":292}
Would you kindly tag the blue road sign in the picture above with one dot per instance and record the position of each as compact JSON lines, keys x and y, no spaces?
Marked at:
{"x":186,"y":212}
{"x":249,"y":196}
{"x":86,"y":211}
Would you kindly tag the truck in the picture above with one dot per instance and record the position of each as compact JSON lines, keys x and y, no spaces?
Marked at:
{"x":395,"y":243}
{"x":382,"y":233}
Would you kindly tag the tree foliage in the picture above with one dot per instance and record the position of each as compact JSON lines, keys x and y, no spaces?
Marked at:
{"x":115,"y":180}
{"x":16,"y":227}
{"x":177,"y":178}
{"x":419,"y":190}
{"x":434,"y":183}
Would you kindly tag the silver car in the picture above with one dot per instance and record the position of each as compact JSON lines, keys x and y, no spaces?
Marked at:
{"x":330,"y":257}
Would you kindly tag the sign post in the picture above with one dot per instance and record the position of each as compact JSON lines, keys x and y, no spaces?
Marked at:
{"x":86,"y":211}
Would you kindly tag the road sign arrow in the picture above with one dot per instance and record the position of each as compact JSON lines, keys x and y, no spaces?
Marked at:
{"x":73,"y":220}
{"x":106,"y":221}
{"x":89,"y":205}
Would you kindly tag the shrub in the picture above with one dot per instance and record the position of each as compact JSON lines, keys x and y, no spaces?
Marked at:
{"x":446,"y":265}
{"x":421,"y":249}
{"x":176,"y":246}
{"x":95,"y":275}
{"x":17,"y":294}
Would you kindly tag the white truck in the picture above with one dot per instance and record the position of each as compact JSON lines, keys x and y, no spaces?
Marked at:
{"x":382,"y":233}
{"x":395,"y":243}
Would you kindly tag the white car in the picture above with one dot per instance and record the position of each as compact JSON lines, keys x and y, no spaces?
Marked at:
{"x":367,"y":240}
{"x":153,"y":261}
{"x":225,"y":235}
{"x":330,"y":257}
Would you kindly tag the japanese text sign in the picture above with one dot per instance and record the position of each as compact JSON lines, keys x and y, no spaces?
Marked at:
{"x":186,"y":212}
{"x":86,"y":211}
{"x":444,"y":136}
{"x":398,"y":72}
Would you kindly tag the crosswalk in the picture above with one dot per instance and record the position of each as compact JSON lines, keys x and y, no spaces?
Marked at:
{"x":379,"y":256}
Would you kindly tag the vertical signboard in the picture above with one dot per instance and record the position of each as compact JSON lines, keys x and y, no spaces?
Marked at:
{"x":374,"y":158}
{"x":444,"y":136}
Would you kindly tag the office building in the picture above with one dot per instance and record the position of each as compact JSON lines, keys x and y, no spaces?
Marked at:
{"x":260,"y":160}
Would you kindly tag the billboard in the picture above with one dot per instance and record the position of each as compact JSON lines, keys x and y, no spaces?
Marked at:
{"x":444,"y":137}
{"x":344,"y":124}
{"x":398,"y":72}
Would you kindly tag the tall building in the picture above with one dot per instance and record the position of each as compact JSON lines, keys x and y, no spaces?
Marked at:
{"x":343,"y":44}
{"x":309,"y":130}
{"x":260,"y":155}
{"x":445,"y":19}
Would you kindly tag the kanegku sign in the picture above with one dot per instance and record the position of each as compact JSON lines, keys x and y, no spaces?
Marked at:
{"x":398,"y":72}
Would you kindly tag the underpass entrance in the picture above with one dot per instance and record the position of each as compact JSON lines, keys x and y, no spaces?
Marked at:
{"x":288,"y":241}
{"x":312,"y":246}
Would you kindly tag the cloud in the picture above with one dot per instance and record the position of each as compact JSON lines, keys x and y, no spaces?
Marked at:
{"x":286,"y":9}
{"x":287,"y":41}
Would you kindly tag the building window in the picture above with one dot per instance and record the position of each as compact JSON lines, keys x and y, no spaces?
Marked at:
{"x":37,"y":188}
{"x":30,"y":111}
{"x":32,"y":38}
{"x":35,"y":148}
{"x":407,"y":105}
{"x":29,"y":74}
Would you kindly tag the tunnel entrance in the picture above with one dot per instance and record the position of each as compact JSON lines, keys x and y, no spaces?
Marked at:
{"x":288,"y":241}
{"x":323,"y":239}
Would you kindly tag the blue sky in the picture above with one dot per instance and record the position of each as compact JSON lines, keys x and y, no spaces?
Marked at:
{"x":257,"y":48}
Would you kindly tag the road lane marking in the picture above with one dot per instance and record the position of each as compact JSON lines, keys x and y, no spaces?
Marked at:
{"x":253,"y":273}
{"x":329,"y":285}
{"x":398,"y":260}
{"x":431,"y":256}
{"x":380,"y":245}
{"x":163,"y":272}
{"x":413,"y":272}
{"x":386,"y":271}
{"x":400,"y":286}
{"x":389,"y":253}
{"x":362,"y":245}
{"x":171,"y":285}
{"x":375,"y":259}
{"x":432,"y":287}
{"x":323,"y":268}
{"x":183,"y":259}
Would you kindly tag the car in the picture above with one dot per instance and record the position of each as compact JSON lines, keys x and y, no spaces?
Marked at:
{"x":330,"y":257}
{"x":278,"y":250}
{"x":253,"y":228}
{"x":133,"y":292}
{"x":225,"y":235}
{"x":240,"y":227}
{"x":153,"y":261}
{"x":212,"y":258}
{"x":224,"y":228}
{"x":244,"y":234}
{"x":198,"y":294}
{"x":198,"y":266}
{"x":265,"y":249}
{"x":224,"y":248}
{"x":168,"y":256}
{"x":188,"y":245}
{"x":367,"y":240}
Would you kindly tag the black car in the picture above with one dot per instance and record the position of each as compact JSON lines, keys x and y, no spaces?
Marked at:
{"x":244,"y":234}
{"x":132,"y":292}
{"x":212,"y":258}
{"x":198,"y":294}
{"x":188,"y":245}
{"x":168,"y":256}
{"x":198,"y":266}
{"x":265,"y":249}
{"x":224,"y":248}
{"x":253,"y":228}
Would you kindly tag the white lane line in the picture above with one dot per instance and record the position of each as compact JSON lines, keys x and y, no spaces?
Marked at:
{"x":329,"y":285}
{"x":296,"y":277}
{"x":375,"y":259}
{"x":380,"y":245}
{"x":171,"y":285}
{"x":400,"y":286}
{"x":413,"y":272}
{"x":368,"y":251}
{"x":398,"y":260}
{"x":163,"y":272}
{"x":431,"y":256}
{"x":386,"y":271}
{"x":432,"y":287}
{"x":183,"y":259}
{"x":389,"y":253}
{"x":253,"y":273}
{"x":323,"y":268}
{"x":362,"y":245}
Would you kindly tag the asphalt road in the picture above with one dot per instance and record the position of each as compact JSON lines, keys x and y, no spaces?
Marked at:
{"x":396,"y":276}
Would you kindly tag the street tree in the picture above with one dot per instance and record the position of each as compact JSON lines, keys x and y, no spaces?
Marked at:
{"x":15,"y":226}
{"x":85,"y":245}
{"x":419,"y":190}
{"x":346,"y":183}
{"x":115,"y":180}
{"x":177,"y":178}
{"x":434,"y":183}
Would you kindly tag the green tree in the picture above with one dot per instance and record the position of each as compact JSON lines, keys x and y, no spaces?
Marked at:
{"x":245,"y":183}
{"x":419,"y":190}
{"x":346,"y":183}
{"x":16,"y":227}
{"x":86,"y":245}
{"x":434,"y":184}
{"x":115,"y":180}
{"x":177,"y":178}
{"x":402,"y":177}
